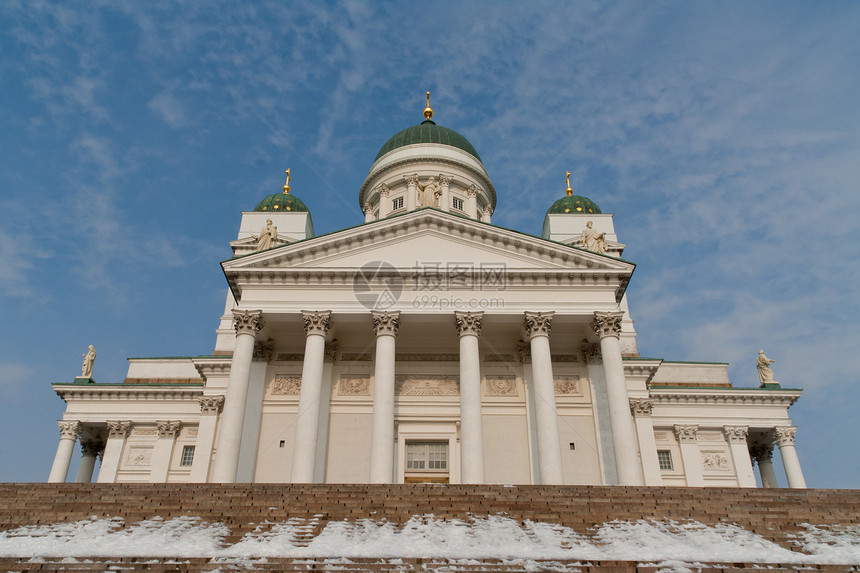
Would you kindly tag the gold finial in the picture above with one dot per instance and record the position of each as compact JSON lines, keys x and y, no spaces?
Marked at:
{"x":428,"y":111}
{"x":287,"y":184}
{"x":569,"y":190}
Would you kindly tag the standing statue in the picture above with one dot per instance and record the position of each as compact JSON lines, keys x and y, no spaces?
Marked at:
{"x":762,"y":363}
{"x":268,"y":236}
{"x":429,"y":193}
{"x":592,"y":240}
{"x":89,"y":360}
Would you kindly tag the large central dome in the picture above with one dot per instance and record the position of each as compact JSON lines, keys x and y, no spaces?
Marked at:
{"x":428,"y":132}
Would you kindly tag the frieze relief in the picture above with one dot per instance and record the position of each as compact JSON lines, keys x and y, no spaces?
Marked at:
{"x":354,"y":385}
{"x":286,"y":385}
{"x":418,"y":385}
{"x":709,"y":436}
{"x":139,"y":456}
{"x":567,"y":386}
{"x":663,"y":437}
{"x":715,"y":461}
{"x":501,"y":386}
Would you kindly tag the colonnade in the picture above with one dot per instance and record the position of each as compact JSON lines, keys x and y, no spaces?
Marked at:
{"x":625,"y":415}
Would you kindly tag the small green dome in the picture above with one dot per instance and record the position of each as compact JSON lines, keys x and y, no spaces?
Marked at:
{"x":281,"y":202}
{"x":428,"y":132}
{"x":575,"y":205}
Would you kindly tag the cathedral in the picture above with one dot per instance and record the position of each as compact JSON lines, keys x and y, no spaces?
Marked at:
{"x":426,"y":344}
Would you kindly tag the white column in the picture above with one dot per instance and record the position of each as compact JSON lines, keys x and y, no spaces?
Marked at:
{"x":384,"y":202}
{"x":471,"y":422}
{"x":641,"y":410}
{"x":607,"y":325}
{"x":385,"y":324}
{"x":762,"y":453}
{"x":411,"y":192}
{"x":688,"y":437}
{"x":537,"y":327}
{"x":247,"y":324}
{"x":785,"y":440}
{"x":117,"y":433}
{"x":317,"y":326}
{"x":487,"y":214}
{"x":368,"y":212}
{"x":445,"y":188}
{"x":210,"y":407}
{"x":163,"y":450}
{"x":736,"y":436}
{"x":472,"y":201}
{"x":90,"y":450}
{"x":69,"y":432}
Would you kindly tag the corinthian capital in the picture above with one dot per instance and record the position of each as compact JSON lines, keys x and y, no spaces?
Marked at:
{"x":383,"y":190}
{"x":590,"y":351}
{"x":248,"y":321}
{"x":118,"y":429}
{"x":641,"y":407}
{"x":607,"y":323}
{"x":317,"y":322}
{"x":468,"y":323}
{"x":537,"y":324}
{"x":168,"y":429}
{"x":386,"y":323}
{"x":472,"y":190}
{"x":211,"y":404}
{"x":687,"y":434}
{"x":69,"y":428}
{"x":784,"y":435}
{"x":444,"y":180}
{"x":736,"y":434}
{"x":412,"y":180}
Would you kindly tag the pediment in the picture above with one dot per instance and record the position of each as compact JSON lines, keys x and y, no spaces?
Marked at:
{"x":428,"y":237}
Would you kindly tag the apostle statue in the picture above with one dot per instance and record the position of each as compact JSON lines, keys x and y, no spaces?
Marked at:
{"x":762,"y":363}
{"x":89,"y":360}
{"x":429,"y":193}
{"x":268,"y":236}
{"x":592,"y":240}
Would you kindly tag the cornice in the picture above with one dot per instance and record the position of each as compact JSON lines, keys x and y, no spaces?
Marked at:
{"x":641,"y":368}
{"x":212,"y":365}
{"x":128,"y":392}
{"x":727,"y":397}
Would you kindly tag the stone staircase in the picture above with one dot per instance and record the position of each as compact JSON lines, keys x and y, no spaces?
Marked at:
{"x":776,"y":515}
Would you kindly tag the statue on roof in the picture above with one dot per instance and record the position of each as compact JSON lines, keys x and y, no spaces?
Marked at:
{"x":765,"y":373}
{"x":268,"y":236}
{"x":89,"y":361}
{"x":592,"y":240}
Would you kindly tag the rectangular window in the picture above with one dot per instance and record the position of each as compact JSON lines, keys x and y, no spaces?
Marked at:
{"x":427,"y":456}
{"x":187,"y":456}
{"x":664,"y":457}
{"x":458,"y":203}
{"x":396,"y":203}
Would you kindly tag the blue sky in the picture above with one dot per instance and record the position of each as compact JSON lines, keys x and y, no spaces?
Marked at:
{"x":725,"y":138}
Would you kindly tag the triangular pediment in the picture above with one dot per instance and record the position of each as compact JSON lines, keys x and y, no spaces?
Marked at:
{"x":428,"y":237}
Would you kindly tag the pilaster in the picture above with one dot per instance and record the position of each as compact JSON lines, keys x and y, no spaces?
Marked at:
{"x":736,"y":436}
{"x":210,"y":407}
{"x":688,"y":438}
{"x":118,"y":431}
{"x":163,"y":450}
{"x":641,"y":410}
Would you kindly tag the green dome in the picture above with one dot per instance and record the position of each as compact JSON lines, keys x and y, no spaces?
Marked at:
{"x":428,"y":132}
{"x":575,"y":205}
{"x":282,"y":202}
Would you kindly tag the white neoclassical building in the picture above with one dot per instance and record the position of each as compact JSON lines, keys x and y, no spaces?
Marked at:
{"x":426,"y":344}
